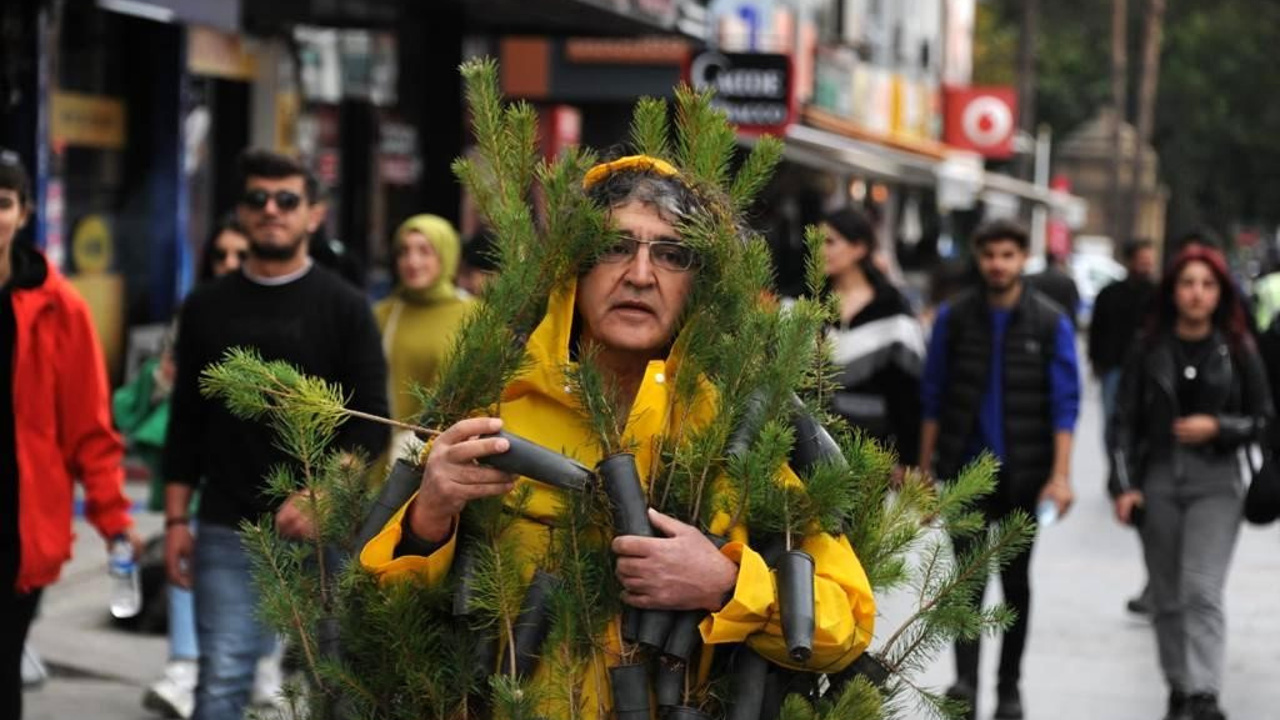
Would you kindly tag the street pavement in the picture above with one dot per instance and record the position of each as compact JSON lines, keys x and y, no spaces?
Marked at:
{"x":1087,"y":657}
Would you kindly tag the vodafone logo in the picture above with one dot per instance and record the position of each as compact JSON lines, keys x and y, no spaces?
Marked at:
{"x":987,"y":121}
{"x":981,"y":119}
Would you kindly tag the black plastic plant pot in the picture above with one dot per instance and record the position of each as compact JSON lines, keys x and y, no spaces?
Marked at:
{"x":630,"y":623}
{"x":683,"y":712}
{"x":536,"y":462}
{"x":685,"y":638}
{"x":749,"y":672}
{"x":655,"y":626}
{"x":400,"y":485}
{"x":464,"y":568}
{"x":813,"y":443}
{"x":796,"y":596}
{"x":484,"y":655}
{"x":621,"y":482}
{"x":532,"y":625}
{"x":668,"y":683}
{"x":748,"y":427}
{"x":630,"y":684}
{"x":329,"y":637}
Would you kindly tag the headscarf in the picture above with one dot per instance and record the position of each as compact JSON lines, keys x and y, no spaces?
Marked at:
{"x":440,"y":233}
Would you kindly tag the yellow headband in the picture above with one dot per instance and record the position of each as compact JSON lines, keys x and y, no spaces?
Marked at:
{"x":636,"y":163}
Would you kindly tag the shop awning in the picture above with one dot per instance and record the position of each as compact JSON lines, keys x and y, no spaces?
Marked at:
{"x":914,"y":164}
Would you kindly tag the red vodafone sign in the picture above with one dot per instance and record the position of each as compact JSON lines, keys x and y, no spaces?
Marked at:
{"x":982,"y":119}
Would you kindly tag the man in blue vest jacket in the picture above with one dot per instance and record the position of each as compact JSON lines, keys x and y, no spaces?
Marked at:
{"x":1001,"y":377}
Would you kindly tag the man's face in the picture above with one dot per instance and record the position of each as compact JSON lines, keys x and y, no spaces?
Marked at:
{"x":13,"y":215}
{"x":629,"y":302}
{"x":277,"y":216}
{"x":1001,"y":262}
{"x":1143,"y":263}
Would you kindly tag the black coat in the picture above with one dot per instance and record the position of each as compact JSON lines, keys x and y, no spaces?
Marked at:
{"x":1117,"y":320}
{"x":1234,"y":386}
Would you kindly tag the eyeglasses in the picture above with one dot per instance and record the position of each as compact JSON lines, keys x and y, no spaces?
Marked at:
{"x":221,"y":255}
{"x":285,"y":200}
{"x":666,"y":254}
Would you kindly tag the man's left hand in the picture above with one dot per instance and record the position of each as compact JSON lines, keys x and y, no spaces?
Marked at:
{"x":1059,"y":491}
{"x":682,"y":571}
{"x":294,"y":519}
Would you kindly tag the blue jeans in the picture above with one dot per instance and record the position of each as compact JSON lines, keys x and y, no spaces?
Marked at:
{"x":231,"y":636}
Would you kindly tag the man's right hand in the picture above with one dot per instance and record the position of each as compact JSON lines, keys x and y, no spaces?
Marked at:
{"x":451,"y":477}
{"x":178,"y":546}
{"x":1125,"y":503}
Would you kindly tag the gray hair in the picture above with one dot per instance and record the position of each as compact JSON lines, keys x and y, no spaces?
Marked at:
{"x":672,"y":199}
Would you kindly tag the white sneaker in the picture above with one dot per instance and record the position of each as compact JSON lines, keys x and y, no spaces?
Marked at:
{"x":268,"y":680}
{"x":174,"y":695}
{"x":34,"y":672}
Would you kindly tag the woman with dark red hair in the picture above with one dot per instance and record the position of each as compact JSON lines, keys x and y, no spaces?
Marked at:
{"x":1193,"y":392}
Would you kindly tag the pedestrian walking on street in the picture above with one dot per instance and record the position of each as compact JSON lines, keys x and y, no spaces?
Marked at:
{"x":55,"y":428}
{"x":877,"y":344}
{"x":1118,"y":313}
{"x":143,"y":414}
{"x":1055,"y":283}
{"x":1001,"y":377}
{"x":1193,"y":392}
{"x":418,"y":320}
{"x":285,"y":307}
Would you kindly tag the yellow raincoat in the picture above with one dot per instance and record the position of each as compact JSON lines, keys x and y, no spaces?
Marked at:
{"x":539,"y":406}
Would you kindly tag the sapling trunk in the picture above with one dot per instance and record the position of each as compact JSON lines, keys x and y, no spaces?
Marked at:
{"x":532,"y":625}
{"x":813,"y":444}
{"x":795,"y":598}
{"x":536,"y":462}
{"x":749,"y":672}
{"x":630,"y":685}
{"x":621,"y":483}
{"x":399,"y":486}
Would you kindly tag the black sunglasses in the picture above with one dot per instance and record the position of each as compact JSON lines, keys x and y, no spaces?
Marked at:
{"x":285,"y":200}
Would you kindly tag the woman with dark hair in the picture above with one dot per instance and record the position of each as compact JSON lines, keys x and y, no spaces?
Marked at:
{"x":1192,"y":393}
{"x":226,"y":249}
{"x":55,"y":429}
{"x":878,"y":345}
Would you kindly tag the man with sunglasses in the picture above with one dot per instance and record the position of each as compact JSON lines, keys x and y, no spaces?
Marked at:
{"x":287,"y":308}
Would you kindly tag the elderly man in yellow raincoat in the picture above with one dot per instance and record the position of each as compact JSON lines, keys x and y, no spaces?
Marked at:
{"x":628,"y":305}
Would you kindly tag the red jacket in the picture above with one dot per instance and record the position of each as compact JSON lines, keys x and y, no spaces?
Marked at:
{"x":63,"y":429}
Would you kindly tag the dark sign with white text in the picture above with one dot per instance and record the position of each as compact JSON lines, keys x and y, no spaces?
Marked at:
{"x":756,"y":90}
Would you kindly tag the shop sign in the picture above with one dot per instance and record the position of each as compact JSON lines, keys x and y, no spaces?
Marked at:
{"x":398,"y":162}
{"x":756,"y":90}
{"x":86,"y":120}
{"x":982,"y":119}
{"x":218,"y":54}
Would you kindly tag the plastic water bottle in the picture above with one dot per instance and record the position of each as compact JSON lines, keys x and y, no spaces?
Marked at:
{"x":126,"y":596}
{"x":1046,"y":513}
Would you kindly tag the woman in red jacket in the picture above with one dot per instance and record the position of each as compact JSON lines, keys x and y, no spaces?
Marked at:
{"x":52,"y":376}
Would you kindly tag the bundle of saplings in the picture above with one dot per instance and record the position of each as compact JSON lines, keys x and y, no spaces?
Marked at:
{"x":520,"y":612}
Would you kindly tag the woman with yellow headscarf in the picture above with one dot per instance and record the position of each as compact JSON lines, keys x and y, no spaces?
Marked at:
{"x":424,"y":310}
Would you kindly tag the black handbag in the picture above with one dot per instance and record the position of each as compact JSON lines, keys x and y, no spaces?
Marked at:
{"x":1262,"y":499}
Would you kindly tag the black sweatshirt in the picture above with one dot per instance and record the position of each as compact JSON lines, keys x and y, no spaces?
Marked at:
{"x":317,"y":323}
